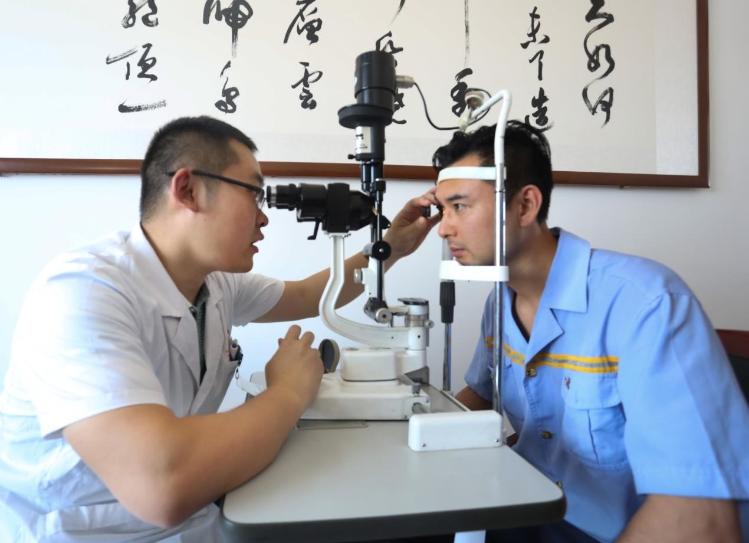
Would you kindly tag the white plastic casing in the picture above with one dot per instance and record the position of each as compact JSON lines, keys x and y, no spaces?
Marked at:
{"x":454,"y":271}
{"x":448,"y":431}
{"x":343,"y":400}
{"x":378,"y":364}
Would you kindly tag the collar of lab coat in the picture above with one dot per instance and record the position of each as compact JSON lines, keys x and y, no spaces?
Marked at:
{"x":172,"y":304}
{"x":160,"y":284}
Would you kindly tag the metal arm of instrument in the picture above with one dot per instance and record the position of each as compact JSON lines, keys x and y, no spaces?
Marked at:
{"x":413,"y":338}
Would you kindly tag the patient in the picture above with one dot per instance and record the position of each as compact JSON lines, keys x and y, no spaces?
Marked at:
{"x":612,"y":375}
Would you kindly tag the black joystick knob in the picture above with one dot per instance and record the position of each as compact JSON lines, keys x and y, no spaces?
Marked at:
{"x":380,"y":250}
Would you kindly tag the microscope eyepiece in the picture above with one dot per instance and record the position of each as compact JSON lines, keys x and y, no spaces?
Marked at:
{"x":282,"y":196}
{"x":335,"y":206}
{"x":309,"y":201}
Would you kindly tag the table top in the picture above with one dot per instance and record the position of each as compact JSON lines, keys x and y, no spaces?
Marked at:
{"x":338,"y":481}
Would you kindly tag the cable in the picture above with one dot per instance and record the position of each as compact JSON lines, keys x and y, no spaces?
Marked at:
{"x":429,"y":119}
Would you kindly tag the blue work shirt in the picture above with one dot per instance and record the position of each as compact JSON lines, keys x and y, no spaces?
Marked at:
{"x":622,"y":390}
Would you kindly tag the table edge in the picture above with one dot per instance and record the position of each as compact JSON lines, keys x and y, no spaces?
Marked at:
{"x":410,"y":525}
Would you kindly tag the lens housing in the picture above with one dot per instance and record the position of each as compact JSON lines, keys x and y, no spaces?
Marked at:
{"x":335,"y":206}
{"x":375,"y":79}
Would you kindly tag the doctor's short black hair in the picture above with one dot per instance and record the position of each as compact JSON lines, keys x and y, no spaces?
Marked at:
{"x":527,"y":157}
{"x":187,"y":142}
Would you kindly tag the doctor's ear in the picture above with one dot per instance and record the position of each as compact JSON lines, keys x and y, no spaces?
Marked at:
{"x":529,"y":200}
{"x":183,"y":190}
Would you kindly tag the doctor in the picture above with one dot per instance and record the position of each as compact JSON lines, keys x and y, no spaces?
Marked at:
{"x":108,"y":427}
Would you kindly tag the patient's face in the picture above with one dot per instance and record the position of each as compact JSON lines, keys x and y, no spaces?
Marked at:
{"x":468,"y":216}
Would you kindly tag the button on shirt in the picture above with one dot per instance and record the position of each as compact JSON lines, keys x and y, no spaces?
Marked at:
{"x":622,"y":390}
{"x":105,"y":327}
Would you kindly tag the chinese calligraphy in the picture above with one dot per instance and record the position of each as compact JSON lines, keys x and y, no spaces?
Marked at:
{"x":467,"y":31}
{"x":458,"y":92}
{"x":235,"y":15}
{"x":124,"y":108}
{"x":534,"y":30}
{"x":149,"y":19}
{"x":226,"y":104}
{"x":305,"y":96}
{"x":538,"y":102}
{"x":145,"y":63}
{"x":305,"y":23}
{"x":606,"y":99}
{"x":310,"y":26}
{"x":390,"y":47}
{"x":401,"y":3}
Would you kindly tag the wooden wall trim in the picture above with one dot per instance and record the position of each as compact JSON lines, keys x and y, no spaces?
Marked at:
{"x":736,"y":342}
{"x":338,"y":171}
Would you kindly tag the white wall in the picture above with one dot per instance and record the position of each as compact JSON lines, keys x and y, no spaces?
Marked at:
{"x":702,"y":234}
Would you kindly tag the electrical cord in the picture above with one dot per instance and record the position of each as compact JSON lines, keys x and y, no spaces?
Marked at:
{"x":429,"y":119}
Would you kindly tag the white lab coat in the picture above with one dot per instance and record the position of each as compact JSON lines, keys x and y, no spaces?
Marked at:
{"x":102,"y":328}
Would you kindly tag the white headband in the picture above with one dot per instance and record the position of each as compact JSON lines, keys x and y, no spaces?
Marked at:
{"x":488,"y":173}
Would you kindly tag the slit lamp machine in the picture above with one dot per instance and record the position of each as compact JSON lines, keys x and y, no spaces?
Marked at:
{"x":384,"y":377}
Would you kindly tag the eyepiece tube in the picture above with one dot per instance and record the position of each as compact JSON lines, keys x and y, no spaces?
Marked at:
{"x":283,"y":196}
{"x":335,"y":207}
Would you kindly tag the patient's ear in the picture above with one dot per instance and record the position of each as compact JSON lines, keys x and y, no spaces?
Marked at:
{"x":529,"y":200}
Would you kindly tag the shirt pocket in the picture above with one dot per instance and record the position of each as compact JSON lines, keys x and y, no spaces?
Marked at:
{"x":593,"y":420}
{"x":226,"y":368}
{"x":213,"y":389}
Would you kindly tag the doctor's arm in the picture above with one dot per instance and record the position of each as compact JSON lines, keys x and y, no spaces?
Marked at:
{"x":300,"y":299}
{"x":163,"y":468}
{"x":666,"y":519}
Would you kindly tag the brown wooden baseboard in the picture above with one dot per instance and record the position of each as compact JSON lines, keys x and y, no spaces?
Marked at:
{"x":735,"y":342}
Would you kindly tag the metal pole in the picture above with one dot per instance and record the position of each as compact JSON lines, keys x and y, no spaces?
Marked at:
{"x":447,"y":359}
{"x":500,"y":260}
{"x":447,"y":306}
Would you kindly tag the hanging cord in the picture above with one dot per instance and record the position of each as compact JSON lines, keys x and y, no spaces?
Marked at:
{"x":429,"y":119}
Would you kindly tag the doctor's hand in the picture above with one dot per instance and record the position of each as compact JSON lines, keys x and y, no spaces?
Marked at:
{"x":296,"y":368}
{"x":410,"y":226}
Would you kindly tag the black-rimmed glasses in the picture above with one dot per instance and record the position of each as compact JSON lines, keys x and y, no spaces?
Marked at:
{"x":259,"y":191}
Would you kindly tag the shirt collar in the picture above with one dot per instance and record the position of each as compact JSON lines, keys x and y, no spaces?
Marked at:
{"x":567,"y":284}
{"x":154,"y":277}
{"x":202,"y":297}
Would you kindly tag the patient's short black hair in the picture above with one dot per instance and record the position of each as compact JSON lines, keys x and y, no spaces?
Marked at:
{"x":527,"y":157}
